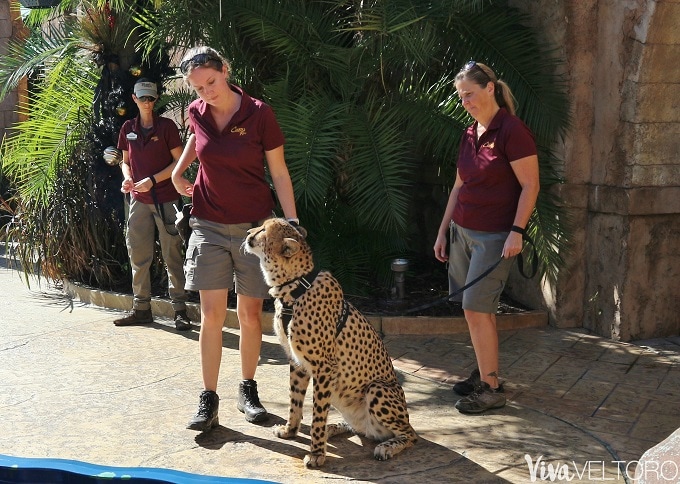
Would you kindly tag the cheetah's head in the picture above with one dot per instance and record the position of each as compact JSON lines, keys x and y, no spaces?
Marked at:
{"x":283,"y":251}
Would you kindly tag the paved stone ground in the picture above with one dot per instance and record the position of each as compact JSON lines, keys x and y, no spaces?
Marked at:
{"x":73,"y":386}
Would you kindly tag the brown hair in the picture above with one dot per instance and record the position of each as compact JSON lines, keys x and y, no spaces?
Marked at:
{"x":482,"y":74}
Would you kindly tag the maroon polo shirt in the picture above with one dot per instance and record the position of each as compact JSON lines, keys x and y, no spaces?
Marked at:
{"x":230,"y":185}
{"x":488,"y":199}
{"x":150,"y":153}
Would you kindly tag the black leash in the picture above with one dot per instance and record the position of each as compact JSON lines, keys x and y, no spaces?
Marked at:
{"x":534,"y":255}
{"x":448,"y":297}
{"x":159,"y":207}
{"x":520,"y":263}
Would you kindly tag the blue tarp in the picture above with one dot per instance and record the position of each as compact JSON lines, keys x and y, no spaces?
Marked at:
{"x":56,"y":471}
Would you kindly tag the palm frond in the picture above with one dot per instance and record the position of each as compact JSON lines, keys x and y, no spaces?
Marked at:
{"x":175,"y":103}
{"x":311,"y":127}
{"x":29,"y":156}
{"x":377,"y":171}
{"x":33,"y":55}
{"x":550,"y":225}
{"x":434,"y":119}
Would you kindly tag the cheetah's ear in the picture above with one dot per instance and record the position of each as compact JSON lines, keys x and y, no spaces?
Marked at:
{"x":290,"y":247}
{"x":301,"y":230}
{"x":298,"y":228}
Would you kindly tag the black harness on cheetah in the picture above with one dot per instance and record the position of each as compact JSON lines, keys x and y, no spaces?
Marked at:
{"x":304,"y":283}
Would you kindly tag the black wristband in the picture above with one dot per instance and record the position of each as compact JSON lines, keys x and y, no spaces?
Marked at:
{"x":153,"y":180}
{"x":517,"y":229}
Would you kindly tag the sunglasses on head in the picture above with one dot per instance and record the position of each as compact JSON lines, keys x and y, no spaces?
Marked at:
{"x":146,"y":99}
{"x":198,"y":60}
{"x":473,"y":64}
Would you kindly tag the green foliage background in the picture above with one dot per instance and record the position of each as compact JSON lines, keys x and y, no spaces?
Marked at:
{"x":364,"y":93}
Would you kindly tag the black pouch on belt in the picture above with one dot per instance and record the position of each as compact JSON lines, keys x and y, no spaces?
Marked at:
{"x":182,"y":223}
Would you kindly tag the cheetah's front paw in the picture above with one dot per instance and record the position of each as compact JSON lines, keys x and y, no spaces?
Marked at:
{"x":285,"y":431}
{"x":314,"y":460}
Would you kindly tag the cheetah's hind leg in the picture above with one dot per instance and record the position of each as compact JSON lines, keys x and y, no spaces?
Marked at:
{"x":388,"y":406}
{"x":388,"y":449}
{"x":338,"y":429}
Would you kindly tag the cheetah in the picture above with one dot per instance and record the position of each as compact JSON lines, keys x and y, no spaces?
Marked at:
{"x":329,"y":340}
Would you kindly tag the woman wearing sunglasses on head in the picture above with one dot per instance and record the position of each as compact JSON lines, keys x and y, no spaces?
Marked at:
{"x":151,"y":145}
{"x":490,"y":204}
{"x":232,"y":135}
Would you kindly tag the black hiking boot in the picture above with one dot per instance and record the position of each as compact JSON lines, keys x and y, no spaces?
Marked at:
{"x":249,"y":402}
{"x":206,"y":417}
{"x":182,"y":321}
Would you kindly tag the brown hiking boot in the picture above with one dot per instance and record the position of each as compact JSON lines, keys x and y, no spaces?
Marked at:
{"x":137,"y":316}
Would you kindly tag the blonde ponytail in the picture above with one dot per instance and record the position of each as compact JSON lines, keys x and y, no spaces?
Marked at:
{"x":504,"y":96}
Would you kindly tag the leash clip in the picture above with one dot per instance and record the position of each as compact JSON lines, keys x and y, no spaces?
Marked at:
{"x":287,"y":310}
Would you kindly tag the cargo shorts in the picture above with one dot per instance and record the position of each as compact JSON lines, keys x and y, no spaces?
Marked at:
{"x":471,"y":253}
{"x":215,"y":259}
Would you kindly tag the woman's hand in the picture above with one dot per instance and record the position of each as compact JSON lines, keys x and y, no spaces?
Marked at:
{"x":182,"y":185}
{"x":143,"y":185}
{"x":513,"y":245}
{"x":127,"y":186}
{"x":440,"y":248}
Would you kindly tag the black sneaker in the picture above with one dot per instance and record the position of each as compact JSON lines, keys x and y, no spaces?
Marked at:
{"x":182,"y":321}
{"x":482,"y":399}
{"x":137,"y":316}
{"x":466,"y":387}
{"x":207,"y":415}
{"x":249,"y":402}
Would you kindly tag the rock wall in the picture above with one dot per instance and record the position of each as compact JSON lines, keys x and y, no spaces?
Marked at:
{"x":8,"y":27}
{"x":621,"y":166}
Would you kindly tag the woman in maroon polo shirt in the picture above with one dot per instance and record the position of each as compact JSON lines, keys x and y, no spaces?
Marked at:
{"x":151,"y":145}
{"x":232,"y":135}
{"x":489,"y":206}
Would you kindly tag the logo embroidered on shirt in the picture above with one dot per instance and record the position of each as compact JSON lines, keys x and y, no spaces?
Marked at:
{"x":488,"y":144}
{"x":240,"y":131}
{"x":131,"y":135}
{"x":154,"y":138}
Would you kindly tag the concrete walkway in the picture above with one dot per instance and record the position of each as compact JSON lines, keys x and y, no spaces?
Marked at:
{"x":73,"y":386}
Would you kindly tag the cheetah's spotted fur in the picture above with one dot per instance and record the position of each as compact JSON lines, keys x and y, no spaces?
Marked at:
{"x":351,"y":370}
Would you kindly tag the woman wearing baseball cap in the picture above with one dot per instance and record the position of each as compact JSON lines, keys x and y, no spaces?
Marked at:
{"x":151,"y":146}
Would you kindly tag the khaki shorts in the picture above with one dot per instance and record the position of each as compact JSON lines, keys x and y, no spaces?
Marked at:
{"x":215,"y":260}
{"x":471,"y":253}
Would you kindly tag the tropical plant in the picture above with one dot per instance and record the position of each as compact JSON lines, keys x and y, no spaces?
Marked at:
{"x":67,"y":211}
{"x":364,"y":93}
